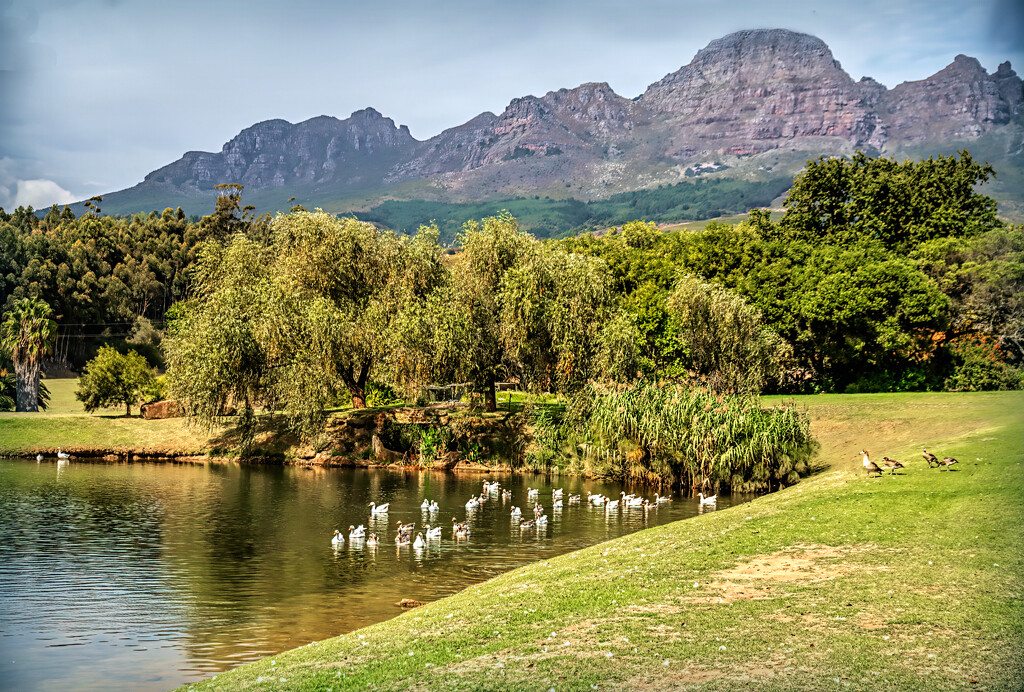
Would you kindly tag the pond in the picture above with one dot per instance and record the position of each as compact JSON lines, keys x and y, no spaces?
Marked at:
{"x":145,"y":576}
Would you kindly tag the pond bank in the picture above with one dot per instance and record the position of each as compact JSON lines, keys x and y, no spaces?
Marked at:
{"x":912,"y":581}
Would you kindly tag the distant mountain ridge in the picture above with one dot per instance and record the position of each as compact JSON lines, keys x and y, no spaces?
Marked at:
{"x":749,"y":105}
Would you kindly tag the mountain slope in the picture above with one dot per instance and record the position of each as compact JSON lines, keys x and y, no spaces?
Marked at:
{"x":752,"y":105}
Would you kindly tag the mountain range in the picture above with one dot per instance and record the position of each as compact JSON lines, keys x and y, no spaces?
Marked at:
{"x":750,"y":107}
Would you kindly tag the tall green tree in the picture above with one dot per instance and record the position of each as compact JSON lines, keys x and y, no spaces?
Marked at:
{"x":728,"y":346}
{"x":845,"y":201}
{"x":535,"y":312}
{"x":113,"y":378}
{"x":26,"y":336}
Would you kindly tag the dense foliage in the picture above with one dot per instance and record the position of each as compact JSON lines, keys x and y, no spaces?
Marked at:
{"x":870,"y":296}
{"x":703,"y":439}
{"x":879,"y":276}
{"x":114,"y":379}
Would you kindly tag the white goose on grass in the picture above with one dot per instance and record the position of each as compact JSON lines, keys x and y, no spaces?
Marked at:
{"x":708,"y":500}
{"x":379,"y":509}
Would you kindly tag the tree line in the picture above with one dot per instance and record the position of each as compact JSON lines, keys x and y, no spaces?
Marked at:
{"x":879,"y":276}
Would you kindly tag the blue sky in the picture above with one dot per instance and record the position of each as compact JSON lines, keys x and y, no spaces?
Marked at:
{"x":94,"y":94}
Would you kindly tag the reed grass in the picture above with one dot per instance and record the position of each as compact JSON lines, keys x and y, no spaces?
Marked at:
{"x":704,"y":440}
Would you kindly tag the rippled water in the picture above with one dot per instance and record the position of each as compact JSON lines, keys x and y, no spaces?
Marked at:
{"x":147,"y":576}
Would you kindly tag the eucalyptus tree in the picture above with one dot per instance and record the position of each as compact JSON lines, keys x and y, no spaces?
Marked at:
{"x":26,"y":336}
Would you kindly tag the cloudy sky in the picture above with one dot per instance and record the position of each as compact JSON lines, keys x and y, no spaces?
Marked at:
{"x":94,"y":94}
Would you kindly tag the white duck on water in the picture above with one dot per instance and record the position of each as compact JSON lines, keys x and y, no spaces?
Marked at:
{"x":708,"y":500}
{"x":338,"y":538}
{"x":379,"y":509}
{"x":62,"y":455}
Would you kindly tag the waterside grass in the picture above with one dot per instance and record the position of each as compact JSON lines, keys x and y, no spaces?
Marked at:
{"x":905,"y":582}
{"x":66,"y":424}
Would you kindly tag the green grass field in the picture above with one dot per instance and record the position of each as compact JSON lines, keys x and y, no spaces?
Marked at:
{"x":66,"y":424}
{"x":905,"y":582}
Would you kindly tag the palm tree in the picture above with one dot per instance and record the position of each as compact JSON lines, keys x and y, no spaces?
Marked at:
{"x":26,"y":335}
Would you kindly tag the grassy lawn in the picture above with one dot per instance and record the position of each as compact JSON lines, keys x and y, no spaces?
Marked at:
{"x":906,"y":582}
{"x":65,"y":424}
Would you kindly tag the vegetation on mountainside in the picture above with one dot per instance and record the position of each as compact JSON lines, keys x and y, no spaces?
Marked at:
{"x":545,"y":217}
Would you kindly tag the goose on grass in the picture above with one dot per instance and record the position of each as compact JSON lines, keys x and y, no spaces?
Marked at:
{"x":891,"y":464}
{"x":870,"y":466}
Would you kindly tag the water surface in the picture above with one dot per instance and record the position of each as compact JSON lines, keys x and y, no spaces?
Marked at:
{"x":145,"y":576}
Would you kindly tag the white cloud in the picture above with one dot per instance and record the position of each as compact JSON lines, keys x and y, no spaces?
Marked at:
{"x":41,"y":194}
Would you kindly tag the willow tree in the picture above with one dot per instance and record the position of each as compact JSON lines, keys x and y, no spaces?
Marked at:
{"x":532,"y":311}
{"x":27,"y":336}
{"x":729,"y":347}
{"x":216,"y":346}
{"x":299,"y":322}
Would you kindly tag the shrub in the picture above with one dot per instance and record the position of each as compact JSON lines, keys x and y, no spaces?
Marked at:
{"x":979,"y":366}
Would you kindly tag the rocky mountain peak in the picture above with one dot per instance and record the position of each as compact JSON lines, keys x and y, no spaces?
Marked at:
{"x":744,"y":94}
{"x":761,"y":56}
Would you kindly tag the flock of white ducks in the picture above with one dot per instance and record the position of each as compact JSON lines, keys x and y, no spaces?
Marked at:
{"x":405,"y":535}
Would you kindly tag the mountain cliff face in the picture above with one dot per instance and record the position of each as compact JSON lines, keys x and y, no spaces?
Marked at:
{"x":751,"y":91}
{"x":744,"y":97}
{"x":275,"y":154}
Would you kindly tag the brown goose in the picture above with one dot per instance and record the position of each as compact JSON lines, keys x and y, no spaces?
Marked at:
{"x":406,"y":529}
{"x":870,"y":466}
{"x":891,"y":464}
{"x":929,"y":457}
{"x":947,"y":462}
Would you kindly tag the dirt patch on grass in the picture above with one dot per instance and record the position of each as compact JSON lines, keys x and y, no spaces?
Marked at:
{"x":660,"y":608}
{"x":765,"y":576}
{"x":672,"y":678}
